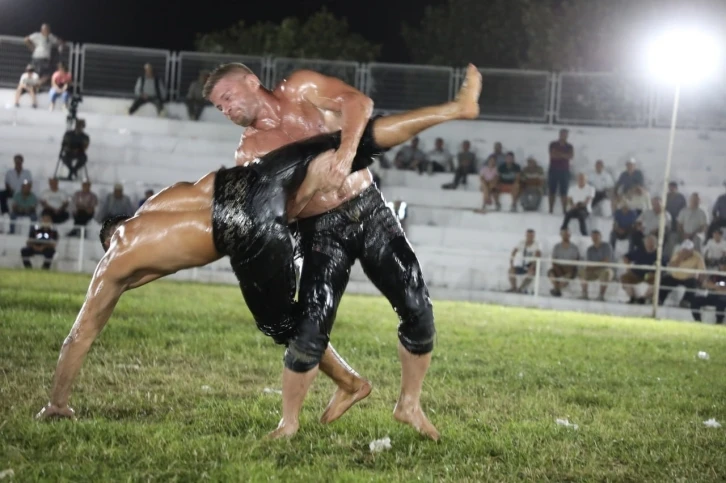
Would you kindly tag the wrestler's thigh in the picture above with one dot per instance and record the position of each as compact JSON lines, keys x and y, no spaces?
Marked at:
{"x":182,"y":196}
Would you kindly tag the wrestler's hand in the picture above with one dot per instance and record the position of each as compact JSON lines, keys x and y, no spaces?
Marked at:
{"x":317,"y":178}
{"x":51,"y":411}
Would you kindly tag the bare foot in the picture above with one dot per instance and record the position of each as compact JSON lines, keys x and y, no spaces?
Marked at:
{"x":343,"y":400}
{"x":415,"y":417}
{"x":467,"y":99}
{"x":284,"y":430}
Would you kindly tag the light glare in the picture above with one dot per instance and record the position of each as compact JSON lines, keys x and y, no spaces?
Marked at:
{"x":684,"y":56}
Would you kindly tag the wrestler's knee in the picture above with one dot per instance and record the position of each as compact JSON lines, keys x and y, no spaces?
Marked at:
{"x":306,"y":349}
{"x":416,"y":331}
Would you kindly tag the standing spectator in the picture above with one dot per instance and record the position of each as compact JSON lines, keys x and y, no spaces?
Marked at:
{"x":629,"y":179}
{"x":439,"y":160}
{"x":719,"y":216}
{"x":60,"y":84}
{"x":602,"y":253}
{"x":498,"y":154}
{"x":692,"y":221}
{"x":29,"y":82}
{"x":686,"y":258}
{"x":639,"y":199}
{"x":623,"y":224}
{"x":14,"y":179}
{"x":714,"y":253}
{"x":489,"y":176}
{"x":716,"y":296}
{"x":42,"y":240}
{"x":115,"y":204}
{"x":560,"y":274}
{"x":648,"y":223}
{"x":410,"y":157}
{"x":149,"y":88}
{"x":579,"y":198}
{"x":147,"y":194}
{"x":54,"y":202}
{"x":509,"y":174}
{"x":645,"y":255}
{"x":466,"y":165}
{"x":603,"y":183}
{"x":195,"y":101}
{"x":675,"y":202}
{"x":561,"y":154}
{"x":75,"y":145}
{"x":42,"y":44}
{"x":24,"y":205}
{"x":530,"y":249}
{"x":84,"y":206}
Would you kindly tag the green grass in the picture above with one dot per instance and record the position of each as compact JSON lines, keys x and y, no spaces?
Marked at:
{"x":499,"y":379}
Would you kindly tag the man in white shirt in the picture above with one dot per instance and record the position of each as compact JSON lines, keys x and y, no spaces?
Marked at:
{"x":714,"y":253}
{"x":439,"y":159}
{"x":639,"y":199}
{"x":579,"y":200}
{"x":42,"y":44}
{"x":648,"y":223}
{"x":14,"y":179}
{"x":603,"y":183}
{"x":54,"y":202}
{"x":530,"y":249}
{"x":29,"y":82}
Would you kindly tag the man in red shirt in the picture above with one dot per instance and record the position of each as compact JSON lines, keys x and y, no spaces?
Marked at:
{"x":561,"y":153}
{"x":60,"y":84}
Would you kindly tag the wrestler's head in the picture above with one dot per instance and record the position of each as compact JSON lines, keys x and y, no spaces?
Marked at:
{"x":234,"y":89}
{"x":109,"y":228}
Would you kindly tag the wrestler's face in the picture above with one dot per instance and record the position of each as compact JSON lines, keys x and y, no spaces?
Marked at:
{"x":237,"y":97}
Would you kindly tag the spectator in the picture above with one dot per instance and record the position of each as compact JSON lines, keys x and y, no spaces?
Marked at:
{"x":580,"y":203}
{"x":195,"y":101}
{"x":719,"y":216}
{"x":74,"y":147}
{"x":84,"y":207}
{"x":685,"y":258}
{"x":115,"y":204}
{"x":24,"y":205}
{"x":147,"y":194}
{"x":639,"y":199}
{"x":560,"y":274}
{"x":29,"y":82}
{"x":532,"y":182}
{"x":498,"y":154}
{"x":648,"y":223}
{"x":410,"y":157}
{"x":530,"y":250}
{"x":489,"y":177}
{"x":623,"y":224}
{"x":715,"y":297}
{"x":603,"y":183}
{"x":601,"y":253}
{"x":54,"y":202}
{"x":149,"y":88}
{"x":629,"y":179}
{"x":466,"y":165}
{"x":692,"y":221}
{"x":60,"y":84}
{"x":439,"y":160}
{"x":42,"y":240}
{"x":714,"y":253}
{"x":509,"y":174}
{"x":675,"y":202}
{"x":561,"y":154}
{"x":14,"y":179}
{"x":645,"y":255}
{"x":42,"y":44}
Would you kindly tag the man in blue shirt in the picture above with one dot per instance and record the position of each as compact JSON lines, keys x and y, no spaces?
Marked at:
{"x":623,"y":224}
{"x":640,"y":256}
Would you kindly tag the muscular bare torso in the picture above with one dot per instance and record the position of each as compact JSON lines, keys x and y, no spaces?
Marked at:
{"x":300,"y":120}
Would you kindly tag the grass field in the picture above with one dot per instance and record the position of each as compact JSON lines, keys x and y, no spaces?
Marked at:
{"x":174,"y":389}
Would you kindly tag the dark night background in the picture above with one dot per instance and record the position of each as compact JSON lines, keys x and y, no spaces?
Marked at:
{"x":169,"y":25}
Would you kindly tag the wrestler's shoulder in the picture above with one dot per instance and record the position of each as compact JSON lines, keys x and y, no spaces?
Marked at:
{"x":300,"y":79}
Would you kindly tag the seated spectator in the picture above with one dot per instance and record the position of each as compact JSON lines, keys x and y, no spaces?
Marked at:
{"x":410,"y":157}
{"x":29,"y":82}
{"x":675,"y":202}
{"x":60,"y":84}
{"x":560,"y":274}
{"x":603,"y":183}
{"x":115,"y":204}
{"x":647,"y":255}
{"x":466,"y":165}
{"x":579,"y":200}
{"x":42,"y":240}
{"x":629,"y":179}
{"x":623,"y":224}
{"x":714,"y":253}
{"x":489,"y":176}
{"x":149,"y":88}
{"x":715,"y":297}
{"x":24,"y":205}
{"x":530,"y":249}
{"x":602,"y":253}
{"x":639,"y":199}
{"x":74,"y":147}
{"x":533,"y":176}
{"x":648,"y":223}
{"x":509,"y":174}
{"x":84,"y":206}
{"x":147,"y":194}
{"x":54,"y":202}
{"x":686,"y":257}
{"x":498,"y":154}
{"x":692,"y":221}
{"x":719,"y":216}
{"x":439,"y":160}
{"x":195,"y":101}
{"x":14,"y":179}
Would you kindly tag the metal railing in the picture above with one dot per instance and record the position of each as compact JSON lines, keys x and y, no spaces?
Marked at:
{"x":509,"y":95}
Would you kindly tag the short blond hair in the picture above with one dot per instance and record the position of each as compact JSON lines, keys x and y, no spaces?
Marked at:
{"x":221,"y":72}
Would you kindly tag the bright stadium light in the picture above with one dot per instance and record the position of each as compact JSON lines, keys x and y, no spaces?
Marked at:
{"x":679,"y":57}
